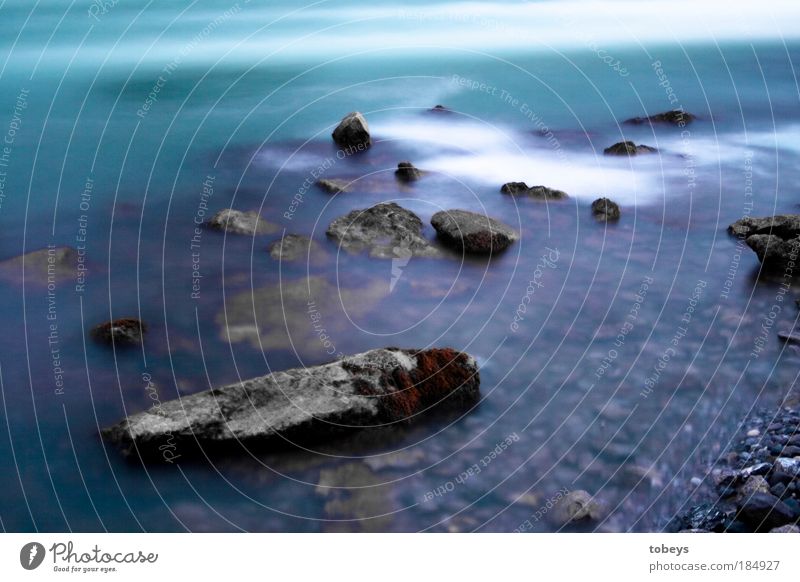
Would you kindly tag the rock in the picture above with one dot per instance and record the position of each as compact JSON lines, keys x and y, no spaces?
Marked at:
{"x":539,"y":192}
{"x":42,"y":266}
{"x":406,"y":172}
{"x":124,"y":331}
{"x":628,"y":148}
{"x":605,"y":210}
{"x":574,"y":507}
{"x":788,"y":466}
{"x":333,"y":185}
{"x":785,"y":529}
{"x":387,"y":230}
{"x":440,"y":109}
{"x":472,"y":232}
{"x":757,"y":469}
{"x":774,"y":239}
{"x":754,"y":484}
{"x":764,"y":511}
{"x":754,"y":432}
{"x":292,"y":247}
{"x":307,"y":404}
{"x":352,"y":132}
{"x":675,"y":117}
{"x":239,"y":222}
{"x":704,"y":516}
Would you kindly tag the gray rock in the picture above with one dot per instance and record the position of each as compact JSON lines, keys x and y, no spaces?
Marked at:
{"x":576,"y":506}
{"x":387,"y":230}
{"x":240,"y":222}
{"x":292,"y":247}
{"x":538,"y":192}
{"x":785,"y":226}
{"x":605,"y":210}
{"x":406,"y":172}
{"x":306,"y":404}
{"x":333,"y":185}
{"x":789,"y":466}
{"x":42,"y":265}
{"x":785,"y":529}
{"x":764,"y":511}
{"x":473,"y":232}
{"x":754,"y":484}
{"x":628,"y":148}
{"x":124,"y":331}
{"x":353,"y":132}
{"x":674,"y":117}
{"x":440,"y":109}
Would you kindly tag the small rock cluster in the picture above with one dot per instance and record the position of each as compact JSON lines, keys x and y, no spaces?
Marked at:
{"x":759,"y":485}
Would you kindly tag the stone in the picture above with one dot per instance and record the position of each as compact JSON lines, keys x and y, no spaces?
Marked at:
{"x":704,"y":516}
{"x":628,"y":148}
{"x":605,"y":210}
{"x":240,"y":222}
{"x":754,"y":432}
{"x":674,"y":117}
{"x":788,"y":466}
{"x":538,"y":192}
{"x":440,"y":109}
{"x":352,"y":132}
{"x":764,"y":511}
{"x":754,"y":484}
{"x":574,"y":507}
{"x":306,"y":404}
{"x":42,"y":266}
{"x":406,"y":172}
{"x":789,"y":528}
{"x":473,"y":232}
{"x":333,"y":185}
{"x":292,"y":247}
{"x":774,"y":239}
{"x":124,"y":331}
{"x":387,"y":230}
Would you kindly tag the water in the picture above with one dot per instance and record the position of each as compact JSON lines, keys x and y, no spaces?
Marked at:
{"x":122,"y":118}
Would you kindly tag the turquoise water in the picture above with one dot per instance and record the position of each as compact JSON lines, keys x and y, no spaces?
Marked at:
{"x":119,"y":115}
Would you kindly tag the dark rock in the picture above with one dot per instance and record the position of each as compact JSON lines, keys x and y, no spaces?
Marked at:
{"x":778,"y":476}
{"x":757,"y":469}
{"x":387,"y":230}
{"x":628,"y":148}
{"x":333,"y":185}
{"x":574,"y":507}
{"x":239,"y":222}
{"x":778,"y":490}
{"x":764,"y":511}
{"x":307,"y":404}
{"x":675,"y":117}
{"x":124,"y":331}
{"x":472,"y":232}
{"x":406,"y":172}
{"x":774,"y":239}
{"x":292,"y":247}
{"x":538,"y":192}
{"x":604,"y":210}
{"x":352,"y":132}
{"x":440,"y":109}
{"x":704,"y":516}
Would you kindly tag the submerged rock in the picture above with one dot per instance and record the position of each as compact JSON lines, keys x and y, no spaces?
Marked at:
{"x":440,"y":109}
{"x":307,"y":404}
{"x":764,"y":511}
{"x":675,"y":117}
{"x":387,"y":230}
{"x":576,"y":506}
{"x":352,"y":132}
{"x":406,"y":172}
{"x":292,"y":247}
{"x":539,"y":192}
{"x":333,"y":185}
{"x":774,"y":239}
{"x":50,"y":264}
{"x":473,"y":232}
{"x":126,"y":331}
{"x":628,"y":148}
{"x":605,"y":210}
{"x":240,"y":222}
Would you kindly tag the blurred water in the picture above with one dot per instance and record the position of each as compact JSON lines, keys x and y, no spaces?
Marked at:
{"x":243,"y":97}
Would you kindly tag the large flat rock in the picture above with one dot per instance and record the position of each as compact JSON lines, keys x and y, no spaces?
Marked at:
{"x":305,"y":404}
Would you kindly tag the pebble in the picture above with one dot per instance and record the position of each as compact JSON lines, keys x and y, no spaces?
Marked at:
{"x":753,"y":432}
